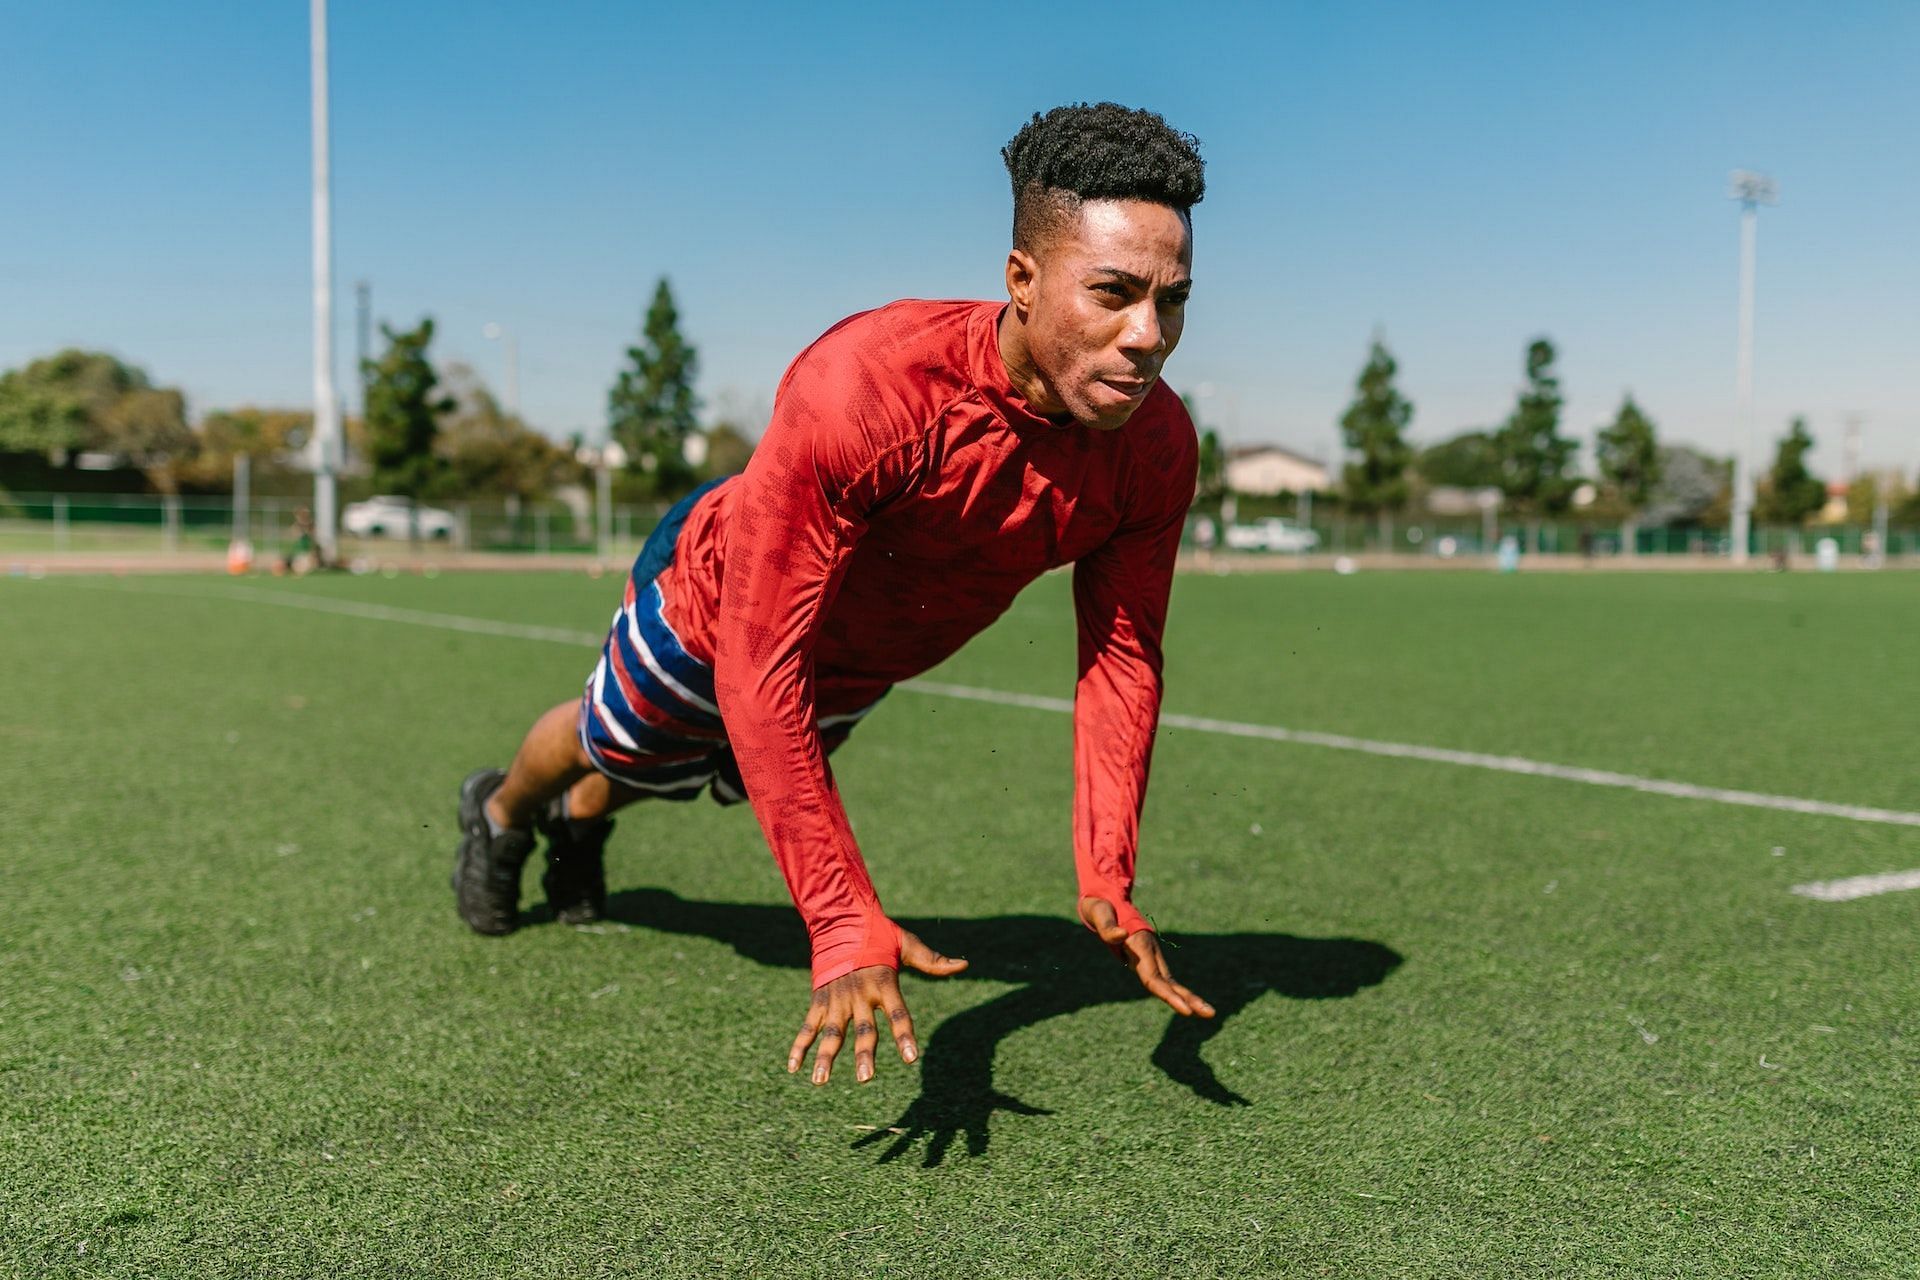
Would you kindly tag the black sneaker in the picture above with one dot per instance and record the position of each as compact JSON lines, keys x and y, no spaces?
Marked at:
{"x":486,"y":871}
{"x":576,"y":875}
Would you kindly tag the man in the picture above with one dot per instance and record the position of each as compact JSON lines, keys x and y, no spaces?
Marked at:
{"x":925,"y":462}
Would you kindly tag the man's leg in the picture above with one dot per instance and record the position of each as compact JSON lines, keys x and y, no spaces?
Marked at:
{"x":550,"y":760}
{"x":598,"y":796}
{"x":497,"y":812}
{"x":554,"y":782}
{"x":576,"y":826}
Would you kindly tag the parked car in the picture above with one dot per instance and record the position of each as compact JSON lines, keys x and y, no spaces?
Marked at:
{"x":1271,"y":534}
{"x":387,"y":516}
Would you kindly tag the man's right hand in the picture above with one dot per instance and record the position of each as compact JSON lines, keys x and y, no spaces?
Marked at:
{"x":854,"y":998}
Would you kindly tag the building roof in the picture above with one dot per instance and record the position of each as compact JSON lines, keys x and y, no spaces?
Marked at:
{"x":1236,"y":452}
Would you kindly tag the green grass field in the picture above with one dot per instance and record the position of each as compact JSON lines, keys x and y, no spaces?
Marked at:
{"x":1473,"y":1023}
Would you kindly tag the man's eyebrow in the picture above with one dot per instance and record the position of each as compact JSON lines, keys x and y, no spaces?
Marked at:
{"x":1139,"y":282}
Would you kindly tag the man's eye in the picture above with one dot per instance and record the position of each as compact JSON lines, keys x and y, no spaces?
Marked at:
{"x":1174,"y":300}
{"x":1111,"y":288}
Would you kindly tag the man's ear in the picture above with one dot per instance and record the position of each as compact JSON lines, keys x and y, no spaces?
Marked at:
{"x":1022,"y":280}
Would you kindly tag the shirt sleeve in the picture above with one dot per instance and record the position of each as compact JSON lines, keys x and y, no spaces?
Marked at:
{"x":830,"y":455}
{"x":1120,"y":604}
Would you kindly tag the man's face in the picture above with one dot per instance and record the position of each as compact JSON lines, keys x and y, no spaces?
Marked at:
{"x":1103,"y":300}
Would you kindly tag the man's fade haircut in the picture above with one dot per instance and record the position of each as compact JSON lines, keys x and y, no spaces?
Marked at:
{"x":1103,"y":151}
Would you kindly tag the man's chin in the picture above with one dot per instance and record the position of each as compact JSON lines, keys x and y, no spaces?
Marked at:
{"x":1105,"y":408}
{"x":1109,"y":419}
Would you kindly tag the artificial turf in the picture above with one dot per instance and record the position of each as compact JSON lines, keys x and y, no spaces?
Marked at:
{"x":1473,"y":1022}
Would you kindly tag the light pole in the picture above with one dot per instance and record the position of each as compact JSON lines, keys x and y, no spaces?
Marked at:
{"x":605,"y":460}
{"x":326,"y":408}
{"x":511,"y":387}
{"x":363,"y":333}
{"x":1752,"y":190}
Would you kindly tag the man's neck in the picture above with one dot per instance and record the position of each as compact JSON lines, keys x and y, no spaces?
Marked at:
{"x":1026,"y":379}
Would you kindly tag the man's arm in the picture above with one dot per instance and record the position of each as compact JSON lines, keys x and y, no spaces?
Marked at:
{"x":800,"y":509}
{"x":1120,"y":604}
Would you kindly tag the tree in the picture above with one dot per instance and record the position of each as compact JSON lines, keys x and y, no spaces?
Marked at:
{"x":1691,"y":488}
{"x":650,"y":410}
{"x":148,"y":427}
{"x":1629,"y":459}
{"x":1872,"y":490}
{"x":1211,"y":482}
{"x":728,"y":450}
{"x":41,"y":410}
{"x":1791,"y":493}
{"x":266,"y":436}
{"x":1470,"y":460}
{"x":403,"y":411}
{"x":486,"y":450}
{"x":1907,"y":509}
{"x":1375,"y":426}
{"x":1533,"y":454}
{"x":89,"y":401}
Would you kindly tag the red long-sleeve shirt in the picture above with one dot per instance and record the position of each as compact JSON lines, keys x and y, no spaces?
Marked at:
{"x":902,"y":496}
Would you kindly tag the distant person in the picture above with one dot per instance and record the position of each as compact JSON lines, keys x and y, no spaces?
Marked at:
{"x":925,"y":462}
{"x":303,"y":552}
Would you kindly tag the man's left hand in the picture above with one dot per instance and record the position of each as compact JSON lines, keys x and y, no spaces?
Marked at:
{"x":1140,"y":952}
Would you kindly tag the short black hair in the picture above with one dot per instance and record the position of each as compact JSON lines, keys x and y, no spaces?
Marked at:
{"x":1102,"y":151}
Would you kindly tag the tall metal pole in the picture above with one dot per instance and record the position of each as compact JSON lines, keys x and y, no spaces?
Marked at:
{"x":326,"y":410}
{"x":513,"y":375}
{"x":242,"y":497}
{"x":603,"y":507}
{"x":510,"y":388}
{"x":1850,"y":450}
{"x":1743,"y":460}
{"x":363,"y":334}
{"x":1751,"y":190}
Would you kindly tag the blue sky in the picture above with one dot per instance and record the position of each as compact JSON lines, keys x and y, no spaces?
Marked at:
{"x":1462,"y":177}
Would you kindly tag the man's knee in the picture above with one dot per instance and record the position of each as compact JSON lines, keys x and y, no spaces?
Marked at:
{"x":597,"y":796}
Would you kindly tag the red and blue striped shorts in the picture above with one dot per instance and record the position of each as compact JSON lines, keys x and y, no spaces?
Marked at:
{"x":648,"y":716}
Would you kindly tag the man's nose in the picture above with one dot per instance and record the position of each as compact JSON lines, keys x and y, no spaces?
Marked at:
{"x":1144,"y":332}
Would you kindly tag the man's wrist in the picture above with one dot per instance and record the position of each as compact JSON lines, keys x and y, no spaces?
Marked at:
{"x":1126,"y":915}
{"x":877,"y":945}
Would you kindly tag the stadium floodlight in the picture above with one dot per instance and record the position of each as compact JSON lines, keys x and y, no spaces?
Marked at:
{"x":510,"y":389}
{"x":604,"y":460}
{"x":1752,"y":190}
{"x":326,"y":409}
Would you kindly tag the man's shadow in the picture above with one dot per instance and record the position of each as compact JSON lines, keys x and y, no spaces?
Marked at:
{"x":1057,"y":968}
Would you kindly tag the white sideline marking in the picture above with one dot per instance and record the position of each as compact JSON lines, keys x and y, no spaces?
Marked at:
{"x":1444,"y":755}
{"x":387,"y":613}
{"x":1859,"y":886}
{"x":1831,"y":891}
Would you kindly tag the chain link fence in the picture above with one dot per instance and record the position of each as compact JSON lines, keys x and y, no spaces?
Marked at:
{"x":149,"y":524}
{"x":33,"y":524}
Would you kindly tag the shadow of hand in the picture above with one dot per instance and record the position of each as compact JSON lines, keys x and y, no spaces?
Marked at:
{"x":939,"y":1119}
{"x":1055,"y":968}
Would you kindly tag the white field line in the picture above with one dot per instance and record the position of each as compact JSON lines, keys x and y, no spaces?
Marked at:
{"x":387,"y":613}
{"x":1859,"y":886}
{"x":1444,"y":755}
{"x":1838,"y":890}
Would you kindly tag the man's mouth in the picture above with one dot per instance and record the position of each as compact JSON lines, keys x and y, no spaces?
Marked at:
{"x":1131,"y":388}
